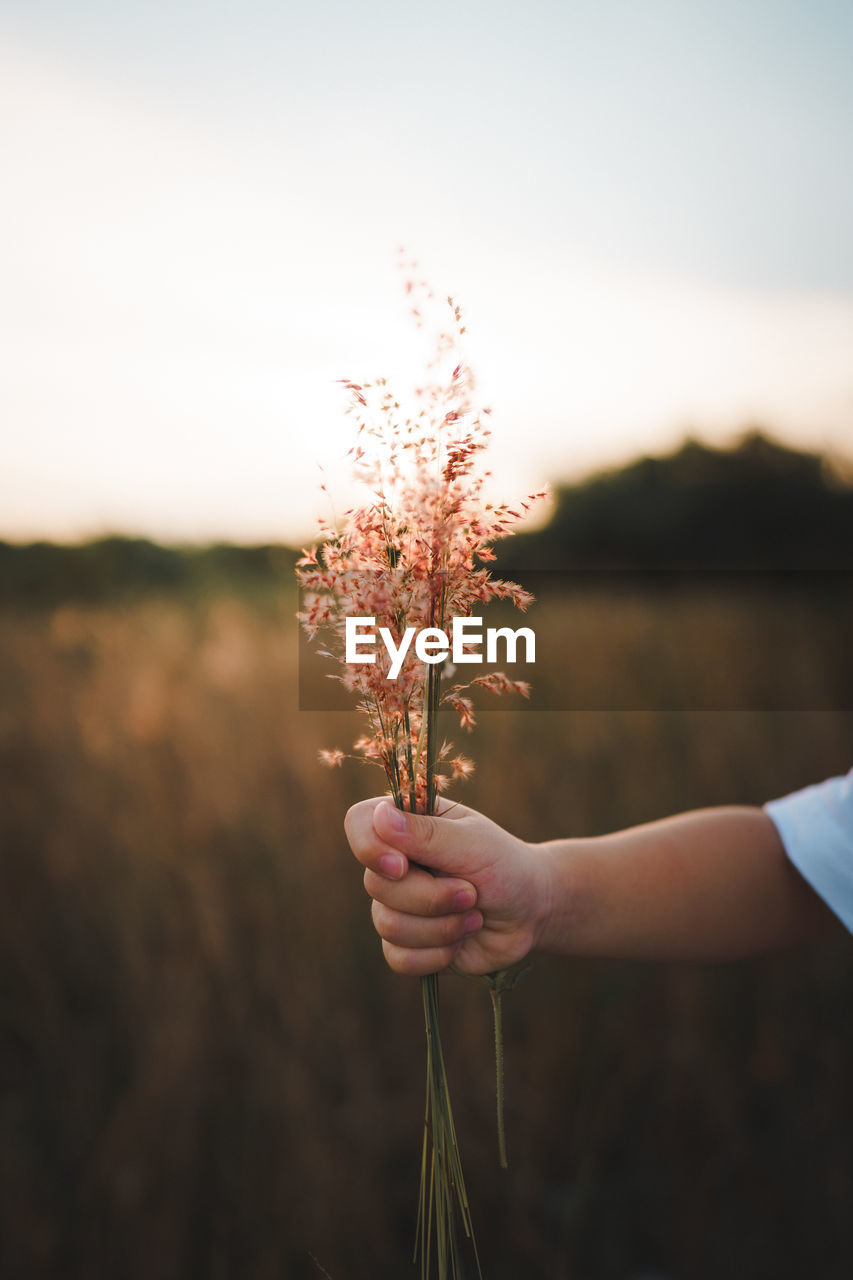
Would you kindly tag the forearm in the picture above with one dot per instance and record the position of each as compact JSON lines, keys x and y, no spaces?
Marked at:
{"x":711,"y":885}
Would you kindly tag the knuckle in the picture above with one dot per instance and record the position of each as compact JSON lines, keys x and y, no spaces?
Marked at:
{"x":425,"y":833}
{"x":441,"y":902}
{"x":355,"y":825}
{"x":397,"y":958}
{"x":354,"y":831}
{"x":442,"y":958}
{"x":388,"y":924}
{"x":359,"y":834}
{"x":414,"y":963}
{"x":452,"y":928}
{"x":350,"y":820}
{"x":378,"y":888}
{"x":377,"y":916}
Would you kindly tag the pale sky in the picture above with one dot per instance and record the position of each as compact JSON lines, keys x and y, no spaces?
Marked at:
{"x":644,"y":210}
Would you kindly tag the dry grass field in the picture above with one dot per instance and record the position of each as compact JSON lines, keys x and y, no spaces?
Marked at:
{"x":207,"y":1071}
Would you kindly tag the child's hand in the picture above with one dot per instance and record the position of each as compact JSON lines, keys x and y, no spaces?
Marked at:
{"x":482,"y":909}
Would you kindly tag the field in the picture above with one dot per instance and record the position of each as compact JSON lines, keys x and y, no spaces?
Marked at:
{"x":207,"y":1070}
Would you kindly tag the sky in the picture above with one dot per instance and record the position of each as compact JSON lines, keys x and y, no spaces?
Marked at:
{"x":644,"y":211}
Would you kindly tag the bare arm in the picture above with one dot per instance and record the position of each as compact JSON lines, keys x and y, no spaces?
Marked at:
{"x":711,"y":885}
{"x":715,"y":884}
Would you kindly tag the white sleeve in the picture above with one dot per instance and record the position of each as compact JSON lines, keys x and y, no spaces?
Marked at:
{"x":816,"y":827}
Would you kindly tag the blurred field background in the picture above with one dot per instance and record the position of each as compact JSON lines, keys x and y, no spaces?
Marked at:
{"x":207,"y":1071}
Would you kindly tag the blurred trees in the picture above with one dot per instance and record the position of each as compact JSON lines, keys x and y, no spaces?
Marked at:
{"x":110,"y":567}
{"x":756,"y":505}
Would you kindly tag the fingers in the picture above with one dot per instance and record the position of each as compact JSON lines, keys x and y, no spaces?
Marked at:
{"x":422,"y":919}
{"x":368,"y":846}
{"x":418,"y":963}
{"x":386,"y":839}
{"x":423,"y":931}
{"x":420,"y":944}
{"x":421,"y":894}
{"x":443,"y":844}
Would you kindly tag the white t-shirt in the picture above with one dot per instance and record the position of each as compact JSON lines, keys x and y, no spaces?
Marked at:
{"x":816,"y":827}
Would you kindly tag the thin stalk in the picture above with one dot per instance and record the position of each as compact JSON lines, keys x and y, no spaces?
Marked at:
{"x":444,"y":1202}
{"x":496,"y":993}
{"x":409,"y":760}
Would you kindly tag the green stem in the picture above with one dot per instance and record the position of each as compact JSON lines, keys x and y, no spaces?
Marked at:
{"x":442,"y":1193}
{"x":498,"y":981}
{"x":496,"y":993}
{"x":443,"y":1200}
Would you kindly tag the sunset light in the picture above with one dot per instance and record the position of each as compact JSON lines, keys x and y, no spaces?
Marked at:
{"x":196,"y":246}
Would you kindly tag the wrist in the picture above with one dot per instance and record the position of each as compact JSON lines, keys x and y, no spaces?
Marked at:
{"x":564,"y":900}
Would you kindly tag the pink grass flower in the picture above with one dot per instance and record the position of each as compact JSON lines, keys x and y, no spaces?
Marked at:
{"x":413,"y":555}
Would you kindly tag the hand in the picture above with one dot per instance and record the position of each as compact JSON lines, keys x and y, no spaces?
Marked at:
{"x":482,"y":909}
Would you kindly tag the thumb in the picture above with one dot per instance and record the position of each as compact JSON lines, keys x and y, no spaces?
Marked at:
{"x":437,"y":843}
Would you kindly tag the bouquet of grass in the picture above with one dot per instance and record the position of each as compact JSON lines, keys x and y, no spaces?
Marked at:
{"x":415,"y":556}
